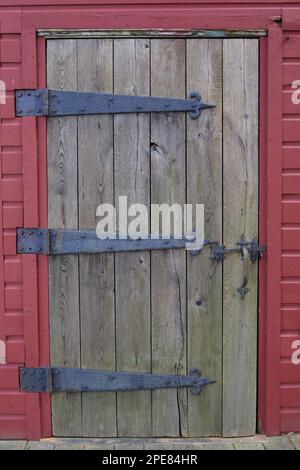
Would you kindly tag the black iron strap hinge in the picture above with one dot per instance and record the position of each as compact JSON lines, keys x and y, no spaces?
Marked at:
{"x":56,"y":379}
{"x":46,"y":102}
{"x":68,"y":241}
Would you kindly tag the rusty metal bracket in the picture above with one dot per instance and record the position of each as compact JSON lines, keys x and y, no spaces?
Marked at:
{"x":46,"y":102}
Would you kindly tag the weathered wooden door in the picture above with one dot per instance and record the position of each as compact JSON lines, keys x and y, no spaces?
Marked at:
{"x":161,"y":311}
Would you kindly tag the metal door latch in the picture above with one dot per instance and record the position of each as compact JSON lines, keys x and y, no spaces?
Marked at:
{"x":46,"y":102}
{"x":255,"y":250}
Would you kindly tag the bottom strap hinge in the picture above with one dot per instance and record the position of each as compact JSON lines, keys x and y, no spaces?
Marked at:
{"x":48,"y":379}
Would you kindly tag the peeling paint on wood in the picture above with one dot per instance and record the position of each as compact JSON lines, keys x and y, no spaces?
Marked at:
{"x":155,"y":33}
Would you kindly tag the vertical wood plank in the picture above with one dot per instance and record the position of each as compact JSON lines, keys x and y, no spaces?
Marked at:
{"x":62,"y":213}
{"x":240,"y":187}
{"x":42,"y":261}
{"x":204,"y":183}
{"x":131,"y":144}
{"x":95,"y":179}
{"x":168,"y":269}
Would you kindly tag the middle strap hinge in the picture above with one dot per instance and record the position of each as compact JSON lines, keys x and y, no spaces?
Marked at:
{"x":68,"y":241}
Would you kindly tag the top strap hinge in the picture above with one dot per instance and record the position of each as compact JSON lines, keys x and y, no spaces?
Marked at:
{"x":46,"y":102}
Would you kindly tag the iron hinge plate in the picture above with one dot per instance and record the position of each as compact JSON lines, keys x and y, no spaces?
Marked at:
{"x":32,"y":102}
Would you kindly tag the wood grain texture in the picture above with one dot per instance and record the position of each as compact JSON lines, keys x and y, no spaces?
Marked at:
{"x":204,"y":289}
{"x":240,"y":189}
{"x":62,"y":213}
{"x":132,"y":270}
{"x":168,"y":270}
{"x":95,"y":186}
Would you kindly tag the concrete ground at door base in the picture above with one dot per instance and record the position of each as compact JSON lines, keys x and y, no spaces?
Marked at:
{"x":258,"y":442}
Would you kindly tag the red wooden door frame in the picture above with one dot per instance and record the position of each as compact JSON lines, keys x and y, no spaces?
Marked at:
{"x":270,"y":219}
{"x":35,"y":210}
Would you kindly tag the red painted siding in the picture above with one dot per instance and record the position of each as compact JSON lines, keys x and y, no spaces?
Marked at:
{"x":289,"y":372}
{"x":23,"y":282}
{"x":12,"y":403}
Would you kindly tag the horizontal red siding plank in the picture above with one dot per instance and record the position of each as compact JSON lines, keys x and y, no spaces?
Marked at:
{"x":15,"y":352}
{"x":290,"y":396}
{"x":13,"y":427}
{"x":9,"y":377}
{"x":290,"y":318}
{"x":291,"y":292}
{"x":10,"y":50}
{"x":12,"y":403}
{"x":289,"y":373}
{"x":291,"y":183}
{"x":13,"y":297}
{"x":10,"y":21}
{"x":11,"y":75}
{"x":291,"y":46}
{"x":291,"y":130}
{"x":287,"y":345}
{"x":291,"y":72}
{"x":7,"y":110}
{"x":13,"y":324}
{"x":291,"y":265}
{"x":291,"y":212}
{"x":289,"y":107}
{"x":12,"y":161}
{"x":12,"y":216}
{"x":13,"y":269}
{"x":12,"y":189}
{"x":291,"y":239}
{"x":9,"y":242}
{"x":150,"y":17}
{"x":139,"y":2}
{"x":11,"y":133}
{"x":291,"y":19}
{"x":290,"y":421}
{"x":291,"y":157}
